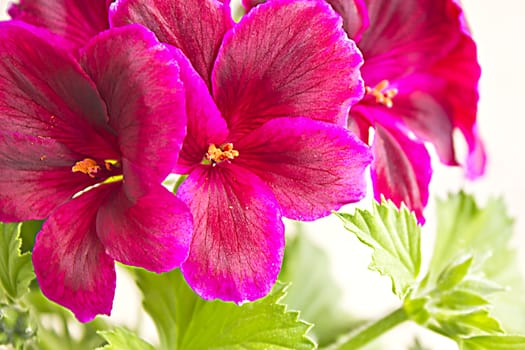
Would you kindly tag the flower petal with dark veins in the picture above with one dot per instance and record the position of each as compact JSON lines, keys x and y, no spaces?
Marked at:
{"x":312,"y":167}
{"x":35,"y":176}
{"x":401,"y":170}
{"x":195,"y":26}
{"x":76,"y":21}
{"x":45,"y":93}
{"x":153,"y":231}
{"x":205,"y":123}
{"x":275,"y":64}
{"x":238,"y":241}
{"x":406,"y":36}
{"x":140,"y":84}
{"x":70,"y":263}
{"x":355,"y":16}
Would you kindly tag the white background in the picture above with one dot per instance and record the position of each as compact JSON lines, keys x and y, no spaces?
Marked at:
{"x":499,"y":29}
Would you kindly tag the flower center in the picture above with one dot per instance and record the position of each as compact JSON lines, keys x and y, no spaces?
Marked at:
{"x":90,"y":167}
{"x":224,"y":152}
{"x":382,"y":94}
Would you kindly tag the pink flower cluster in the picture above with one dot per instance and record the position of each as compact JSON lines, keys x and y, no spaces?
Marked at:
{"x":100,"y":101}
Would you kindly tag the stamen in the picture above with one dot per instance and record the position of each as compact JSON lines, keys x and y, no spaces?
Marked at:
{"x":91,"y":168}
{"x":87,"y":166}
{"x":109,"y":172}
{"x":222,"y":153}
{"x":382,"y":95}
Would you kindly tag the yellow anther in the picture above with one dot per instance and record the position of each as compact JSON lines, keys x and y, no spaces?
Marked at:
{"x":382,"y":95}
{"x":87,"y":166}
{"x":220,"y":154}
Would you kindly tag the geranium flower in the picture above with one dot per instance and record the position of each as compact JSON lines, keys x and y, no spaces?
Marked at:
{"x":421,"y":73}
{"x":87,"y":146}
{"x":76,"y":21}
{"x":266,"y":99}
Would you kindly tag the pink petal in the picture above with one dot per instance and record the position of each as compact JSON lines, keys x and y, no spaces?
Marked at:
{"x":153,"y":231}
{"x":139,"y":80}
{"x":360,"y":127}
{"x":460,"y":95}
{"x":205,"y":123}
{"x":418,"y":107}
{"x":401,"y":170}
{"x":477,"y":157}
{"x":312,"y":167}
{"x":270,"y":66}
{"x":195,"y":26}
{"x":238,"y":242}
{"x":71,"y":266}
{"x":75,"y":20}
{"x":435,"y":101}
{"x":35,"y":176}
{"x":420,"y":46}
{"x":45,"y":93}
{"x":406,"y":35}
{"x":355,"y":16}
{"x":249,"y":4}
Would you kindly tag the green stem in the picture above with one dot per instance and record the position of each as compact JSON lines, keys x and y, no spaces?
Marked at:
{"x":374,"y":330}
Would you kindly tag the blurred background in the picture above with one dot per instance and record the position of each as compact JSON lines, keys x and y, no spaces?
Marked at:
{"x":499,"y":30}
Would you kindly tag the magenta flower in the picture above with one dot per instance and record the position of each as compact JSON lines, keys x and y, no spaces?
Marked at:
{"x":76,"y":21}
{"x":266,"y":101}
{"x":421,"y":73}
{"x":87,"y":144}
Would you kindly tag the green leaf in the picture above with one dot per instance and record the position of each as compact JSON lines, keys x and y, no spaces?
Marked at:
{"x":481,"y":286}
{"x":493,"y":342}
{"x":394,"y":235}
{"x":186,"y":322}
{"x":461,"y":300}
{"x":16,"y":270}
{"x":465,"y":323}
{"x":464,"y":228}
{"x":454,"y":274}
{"x":307,"y":267}
{"x":484,"y":233}
{"x":28,"y":232}
{"x":458,"y":312}
{"x":454,"y":311}
{"x":123,"y":339}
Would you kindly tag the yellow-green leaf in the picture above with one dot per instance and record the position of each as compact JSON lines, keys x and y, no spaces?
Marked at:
{"x":394,"y":235}
{"x":16,"y":270}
